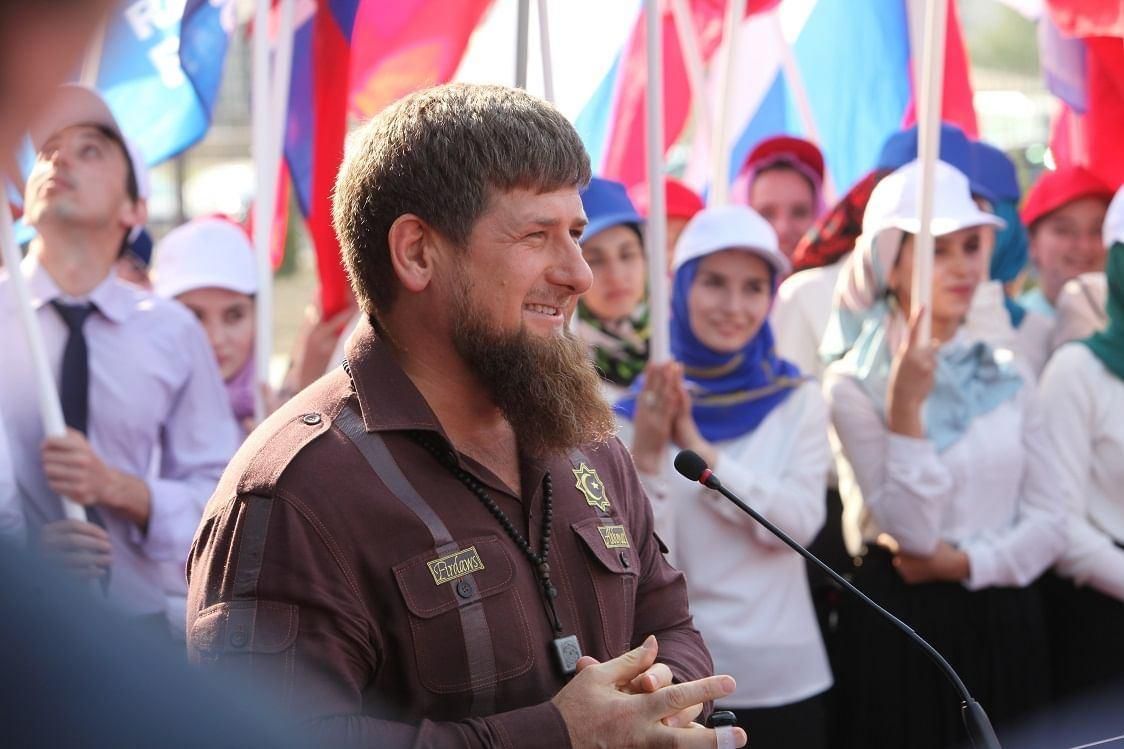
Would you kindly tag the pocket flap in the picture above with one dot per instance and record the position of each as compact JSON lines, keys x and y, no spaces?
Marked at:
{"x":610,"y":542}
{"x":436,"y":582}
{"x":245,"y":626}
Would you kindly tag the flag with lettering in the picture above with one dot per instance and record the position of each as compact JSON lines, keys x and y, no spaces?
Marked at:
{"x":160,"y":70}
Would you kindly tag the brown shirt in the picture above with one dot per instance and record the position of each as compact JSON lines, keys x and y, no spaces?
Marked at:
{"x":340,"y":563}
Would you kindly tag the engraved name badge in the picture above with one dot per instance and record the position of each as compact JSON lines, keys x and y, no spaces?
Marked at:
{"x":458,"y":564}
{"x":614,"y":536}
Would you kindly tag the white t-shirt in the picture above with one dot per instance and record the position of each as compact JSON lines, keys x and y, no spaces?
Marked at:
{"x":994,"y":493}
{"x":1083,"y":404}
{"x":749,"y":592}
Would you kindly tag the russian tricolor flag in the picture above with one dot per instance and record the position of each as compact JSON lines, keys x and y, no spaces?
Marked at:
{"x":855,"y":61}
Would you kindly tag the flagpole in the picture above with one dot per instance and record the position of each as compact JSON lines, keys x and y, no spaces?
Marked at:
{"x":720,"y":148}
{"x":693,"y":62}
{"x":803,"y":104}
{"x":523,"y":21}
{"x":544,"y":47}
{"x":928,"y":149}
{"x":91,"y":63}
{"x":655,"y":238}
{"x":270,"y":102}
{"x":50,"y":410}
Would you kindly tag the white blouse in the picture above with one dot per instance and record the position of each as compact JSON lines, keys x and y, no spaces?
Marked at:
{"x":1083,"y":404}
{"x":749,"y":592}
{"x":994,"y":493}
{"x":801,"y":313}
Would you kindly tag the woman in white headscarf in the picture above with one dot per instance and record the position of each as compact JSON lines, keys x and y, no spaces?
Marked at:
{"x":948,"y":475}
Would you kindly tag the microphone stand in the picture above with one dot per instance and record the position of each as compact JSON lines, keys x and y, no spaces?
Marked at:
{"x":980,"y":731}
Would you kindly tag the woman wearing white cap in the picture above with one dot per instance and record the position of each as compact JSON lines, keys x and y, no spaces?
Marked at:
{"x":1082,"y":393}
{"x":763,"y":428}
{"x":949,"y":474}
{"x":208,"y":265}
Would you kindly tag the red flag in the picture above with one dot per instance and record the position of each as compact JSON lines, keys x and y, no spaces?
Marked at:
{"x":626,"y":147}
{"x":957,"y":106}
{"x":1092,"y":139}
{"x":365,"y":54}
{"x":1088,"y":17}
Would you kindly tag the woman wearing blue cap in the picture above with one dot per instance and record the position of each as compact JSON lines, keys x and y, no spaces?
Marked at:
{"x":763,"y":428}
{"x":949,"y":481}
{"x":612,"y":315}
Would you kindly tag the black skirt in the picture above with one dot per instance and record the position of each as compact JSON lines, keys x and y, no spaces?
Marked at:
{"x":1086,"y":636}
{"x":890,"y":694}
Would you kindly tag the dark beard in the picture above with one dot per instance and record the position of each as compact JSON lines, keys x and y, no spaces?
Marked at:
{"x":546,"y":388}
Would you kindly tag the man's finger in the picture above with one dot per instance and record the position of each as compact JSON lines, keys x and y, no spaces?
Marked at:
{"x":683,"y":717}
{"x":624,"y":668}
{"x":76,"y":542}
{"x":695,"y":737}
{"x":63,"y":528}
{"x":83,"y":559}
{"x":679,"y":697}
{"x":656,"y":677}
{"x":585,"y":662}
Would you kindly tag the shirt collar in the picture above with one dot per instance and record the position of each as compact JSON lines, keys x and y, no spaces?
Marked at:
{"x":388,"y":399}
{"x":112,"y":297}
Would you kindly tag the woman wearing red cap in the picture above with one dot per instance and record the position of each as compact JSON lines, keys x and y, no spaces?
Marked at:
{"x":1082,"y":392}
{"x":782,"y":179}
{"x":1063,"y":212}
{"x":682,"y":205}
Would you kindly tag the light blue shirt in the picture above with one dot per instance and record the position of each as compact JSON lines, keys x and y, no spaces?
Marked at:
{"x":1035,"y":301}
{"x":155,"y":394}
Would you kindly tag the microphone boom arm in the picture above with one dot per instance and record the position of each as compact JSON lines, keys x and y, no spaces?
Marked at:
{"x":980,"y":730}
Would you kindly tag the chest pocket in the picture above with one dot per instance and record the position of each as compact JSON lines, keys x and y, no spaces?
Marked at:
{"x":458,"y":599}
{"x":613,"y":566}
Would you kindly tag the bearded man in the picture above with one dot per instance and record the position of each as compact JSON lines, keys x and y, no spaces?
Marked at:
{"x":425,"y":546}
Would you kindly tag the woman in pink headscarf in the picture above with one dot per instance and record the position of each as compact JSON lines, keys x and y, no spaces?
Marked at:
{"x":207,"y":264}
{"x":782,"y":179}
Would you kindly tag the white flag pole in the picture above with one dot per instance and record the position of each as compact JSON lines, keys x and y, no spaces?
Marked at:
{"x":719,"y":147}
{"x":544,"y":48}
{"x":50,"y":410}
{"x":270,"y":103}
{"x":803,"y":105}
{"x":928,"y":150}
{"x":655,"y":238}
{"x":693,"y":62}
{"x":522,"y":31}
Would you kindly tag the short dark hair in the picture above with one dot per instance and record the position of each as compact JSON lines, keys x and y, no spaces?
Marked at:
{"x":131,"y":185}
{"x":440,"y":154}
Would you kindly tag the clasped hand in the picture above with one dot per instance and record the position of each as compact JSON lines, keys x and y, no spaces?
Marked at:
{"x":631,"y":701}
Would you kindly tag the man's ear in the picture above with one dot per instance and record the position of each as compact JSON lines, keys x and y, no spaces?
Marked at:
{"x":412,"y":252}
{"x":134,"y":213}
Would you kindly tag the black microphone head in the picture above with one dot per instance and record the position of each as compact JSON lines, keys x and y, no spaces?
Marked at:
{"x":690,"y":464}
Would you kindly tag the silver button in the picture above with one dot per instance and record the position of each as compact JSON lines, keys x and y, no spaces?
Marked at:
{"x":311,"y":419}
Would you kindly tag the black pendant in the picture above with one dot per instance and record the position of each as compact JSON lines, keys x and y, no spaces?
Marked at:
{"x":567,"y":652}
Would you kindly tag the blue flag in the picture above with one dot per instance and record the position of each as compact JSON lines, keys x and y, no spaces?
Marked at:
{"x":161,"y":67}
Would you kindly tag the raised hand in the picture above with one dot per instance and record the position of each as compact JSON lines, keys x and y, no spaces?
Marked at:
{"x":911,"y":380}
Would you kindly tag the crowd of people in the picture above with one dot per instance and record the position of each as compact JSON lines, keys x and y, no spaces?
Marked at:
{"x":967,"y":479}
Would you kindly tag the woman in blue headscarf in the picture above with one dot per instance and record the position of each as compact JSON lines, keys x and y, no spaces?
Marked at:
{"x":763,"y":428}
{"x":949,"y":479}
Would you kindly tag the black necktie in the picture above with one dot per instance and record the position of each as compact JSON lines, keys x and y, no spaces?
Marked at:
{"x":74,"y":390}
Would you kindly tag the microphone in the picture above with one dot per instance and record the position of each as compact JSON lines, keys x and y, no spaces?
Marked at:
{"x":691,"y":465}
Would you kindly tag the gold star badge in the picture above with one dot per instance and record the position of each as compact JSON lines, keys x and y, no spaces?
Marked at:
{"x":589,"y":484}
